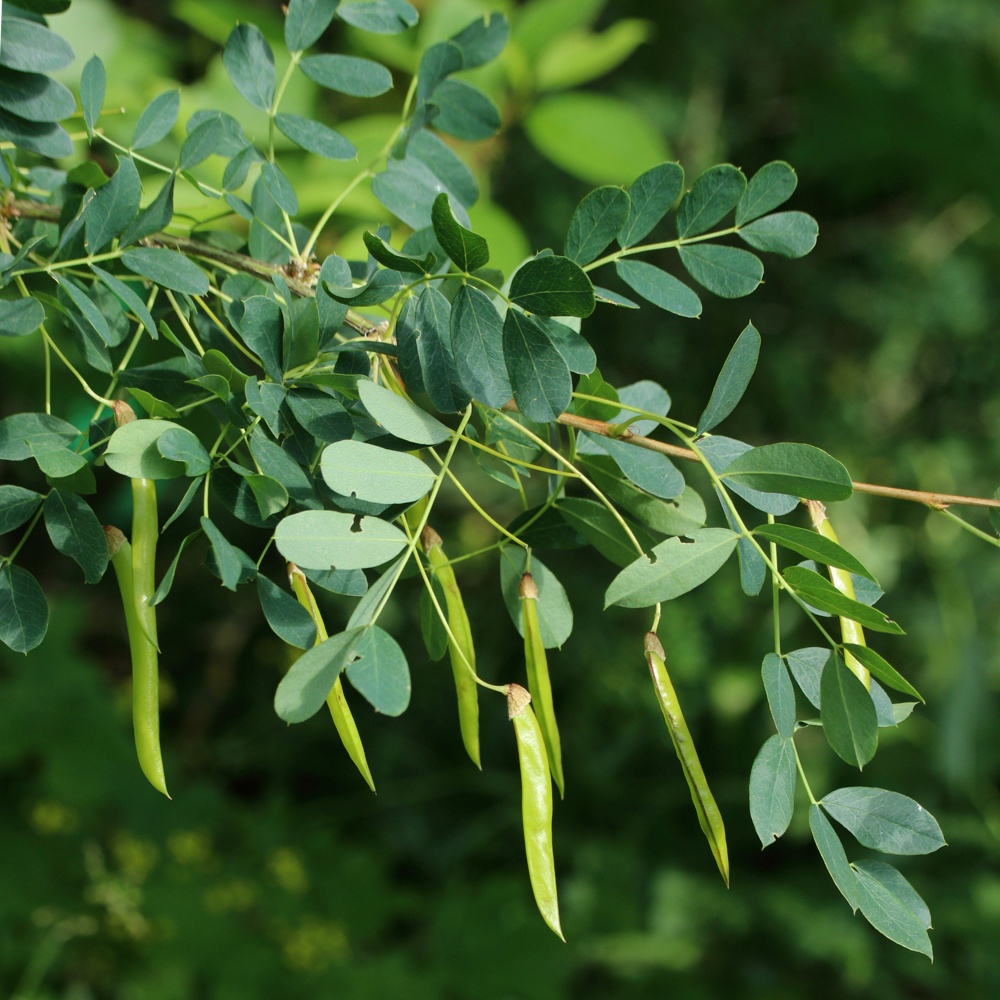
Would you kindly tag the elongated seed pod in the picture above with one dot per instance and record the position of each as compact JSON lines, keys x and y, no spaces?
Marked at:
{"x":539,"y":684}
{"x":145,"y":666}
{"x":709,"y":817}
{"x":536,"y":805}
{"x":461,"y":649}
{"x":336,"y":700}
{"x":145,"y":530}
{"x":850,"y":630}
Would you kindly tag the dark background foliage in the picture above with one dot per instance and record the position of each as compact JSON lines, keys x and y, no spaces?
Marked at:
{"x":275,"y":873}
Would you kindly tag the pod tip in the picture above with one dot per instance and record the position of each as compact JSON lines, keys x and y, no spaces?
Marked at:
{"x":124,"y":414}
{"x":518,"y":700}
{"x":651,"y":644}
{"x":429,"y":538}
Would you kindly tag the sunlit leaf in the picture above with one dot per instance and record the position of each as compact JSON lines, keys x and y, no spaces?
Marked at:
{"x":780,"y":694}
{"x":892,"y":906}
{"x":400,"y":417}
{"x":677,"y":566}
{"x":659,"y":287}
{"x":552,"y":286}
{"x":596,"y":222}
{"x":737,"y":370}
{"x":797,"y":469}
{"x":772,"y":789}
{"x":885,"y":821}
{"x":820,"y":593}
{"x":789,"y":234}
{"x":379,"y":475}
{"x":770,"y":187}
{"x":380,"y":673}
{"x":24,"y":613}
{"x":729,"y":272}
{"x":539,"y":376}
{"x":832,"y":852}
{"x":325,"y":539}
{"x":713,"y":195}
{"x":849,"y":719}
{"x":250,"y":64}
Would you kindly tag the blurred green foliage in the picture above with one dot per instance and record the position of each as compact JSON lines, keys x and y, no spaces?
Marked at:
{"x":274,"y":873}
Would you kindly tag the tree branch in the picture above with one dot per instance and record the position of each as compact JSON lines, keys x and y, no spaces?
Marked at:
{"x":292,"y":274}
{"x":936,"y":500}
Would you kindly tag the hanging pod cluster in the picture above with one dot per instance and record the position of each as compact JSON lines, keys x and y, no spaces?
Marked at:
{"x":319,"y":444}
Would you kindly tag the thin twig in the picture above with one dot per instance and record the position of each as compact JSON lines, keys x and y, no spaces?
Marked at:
{"x":936,"y":500}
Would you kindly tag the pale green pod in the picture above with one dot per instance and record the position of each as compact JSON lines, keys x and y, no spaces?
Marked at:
{"x":850,"y":631}
{"x":539,"y":684}
{"x":145,"y":664}
{"x":536,"y":805}
{"x":461,"y":649}
{"x":336,"y":701}
{"x":709,"y":817}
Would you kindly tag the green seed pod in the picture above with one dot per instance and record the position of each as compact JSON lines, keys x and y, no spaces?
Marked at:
{"x":850,"y":631}
{"x":539,"y":684}
{"x":336,"y":701}
{"x":461,"y":649}
{"x":145,"y":664}
{"x":145,"y":531}
{"x":536,"y":805}
{"x":709,"y":817}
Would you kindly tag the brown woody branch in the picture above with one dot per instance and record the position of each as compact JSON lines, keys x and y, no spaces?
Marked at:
{"x":936,"y":500}
{"x":241,"y":262}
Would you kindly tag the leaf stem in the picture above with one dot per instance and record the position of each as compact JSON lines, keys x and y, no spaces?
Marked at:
{"x":203,"y":305}
{"x":9,"y":559}
{"x":517,"y":461}
{"x":775,"y":594}
{"x":278,"y":94}
{"x":971,"y":528}
{"x":665,"y":245}
{"x":559,"y":457}
{"x":474,"y":504}
{"x":802,"y":775}
{"x":84,"y":384}
{"x":184,"y":323}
